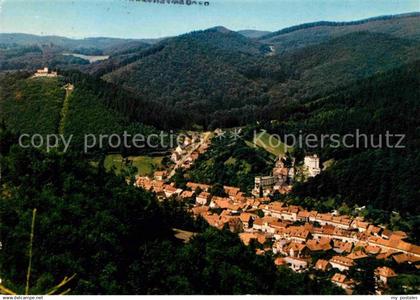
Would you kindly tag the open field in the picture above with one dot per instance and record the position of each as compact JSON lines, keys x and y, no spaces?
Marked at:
{"x":145,"y":164}
{"x":270,"y":143}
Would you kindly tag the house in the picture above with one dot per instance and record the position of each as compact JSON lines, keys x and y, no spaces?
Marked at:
{"x":360,"y":225}
{"x":296,"y":264}
{"x":303,"y":216}
{"x":233,"y":223}
{"x":279,"y":246}
{"x":279,"y":261}
{"x":394,"y":244}
{"x":186,"y":195}
{"x":316,"y":246}
{"x":264,"y":185}
{"x":231,"y":191}
{"x":175,"y":157}
{"x":386,"y":233}
{"x":342,"y":222}
{"x":295,"y":249}
{"x":357,"y":255}
{"x":322,"y":265}
{"x":246,"y":219}
{"x":273,"y":209}
{"x":199,"y":210}
{"x":169,"y":190}
{"x":374,"y":230}
{"x":370,"y":249}
{"x":342,"y":263}
{"x":385,"y":255}
{"x":213,"y":220}
{"x":262,"y":224}
{"x":194,"y":186}
{"x":202,"y":198}
{"x":405,"y":258}
{"x":342,"y":247}
{"x":159,"y":175}
{"x":278,"y":225}
{"x":220,"y":202}
{"x":311,"y":164}
{"x":342,"y":281}
{"x":299,"y":233}
{"x":247,"y":237}
{"x":45,"y":73}
{"x":382,"y":275}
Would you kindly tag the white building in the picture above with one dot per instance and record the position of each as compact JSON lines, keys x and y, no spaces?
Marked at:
{"x":311,"y":163}
{"x":264,"y":184}
{"x":45,"y":73}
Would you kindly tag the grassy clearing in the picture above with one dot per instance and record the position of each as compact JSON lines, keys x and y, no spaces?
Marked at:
{"x":271,"y":144}
{"x":145,"y":165}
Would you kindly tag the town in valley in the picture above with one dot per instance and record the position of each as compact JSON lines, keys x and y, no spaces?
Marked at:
{"x":300,"y":239}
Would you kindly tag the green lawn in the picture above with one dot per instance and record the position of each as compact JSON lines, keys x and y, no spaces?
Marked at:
{"x":145,"y":165}
{"x":271,"y":144}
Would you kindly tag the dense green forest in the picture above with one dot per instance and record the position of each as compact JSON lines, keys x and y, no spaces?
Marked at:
{"x":40,"y":106}
{"x":231,"y":161}
{"x":116,"y":238}
{"x":381,"y":178}
{"x":218,"y":78}
{"x":31,"y":105}
{"x":299,"y":36}
{"x":319,"y":78}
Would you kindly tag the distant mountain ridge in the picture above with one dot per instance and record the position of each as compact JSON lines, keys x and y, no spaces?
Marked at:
{"x":219,"y":77}
{"x":253,"y":34}
{"x":103,"y":44}
{"x":336,"y":23}
{"x":289,"y":39}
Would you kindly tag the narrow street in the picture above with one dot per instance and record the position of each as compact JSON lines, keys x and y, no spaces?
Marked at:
{"x":204,"y":138}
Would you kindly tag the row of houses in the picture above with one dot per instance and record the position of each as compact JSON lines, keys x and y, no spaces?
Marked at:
{"x":278,"y":218}
{"x":294,"y":234}
{"x":188,"y":151}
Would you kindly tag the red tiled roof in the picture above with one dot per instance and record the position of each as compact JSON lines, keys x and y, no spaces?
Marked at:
{"x":345,"y":261}
{"x":321,"y":264}
{"x":340,"y":278}
{"x":385,"y":272}
{"x":357,"y":255}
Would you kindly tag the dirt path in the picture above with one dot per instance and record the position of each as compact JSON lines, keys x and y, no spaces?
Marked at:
{"x":66,"y":103}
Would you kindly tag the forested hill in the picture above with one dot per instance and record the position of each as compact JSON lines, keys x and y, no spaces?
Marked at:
{"x":116,"y":238}
{"x":217,"y":78}
{"x":197,"y":74}
{"x":221,"y":78}
{"x":96,"y":45}
{"x":42,"y":106}
{"x":380,"y":178}
{"x":404,"y":26}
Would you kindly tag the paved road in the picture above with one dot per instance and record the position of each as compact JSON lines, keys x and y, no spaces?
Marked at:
{"x":203,"y":139}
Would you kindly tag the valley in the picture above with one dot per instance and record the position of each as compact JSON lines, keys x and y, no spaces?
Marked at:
{"x":233,"y":199}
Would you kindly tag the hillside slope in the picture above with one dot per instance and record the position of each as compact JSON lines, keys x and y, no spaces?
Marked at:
{"x":31,"y":105}
{"x":402,"y":26}
{"x":197,"y":74}
{"x":380,"y":177}
{"x":35,"y":106}
{"x":319,"y":69}
{"x":218,"y":78}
